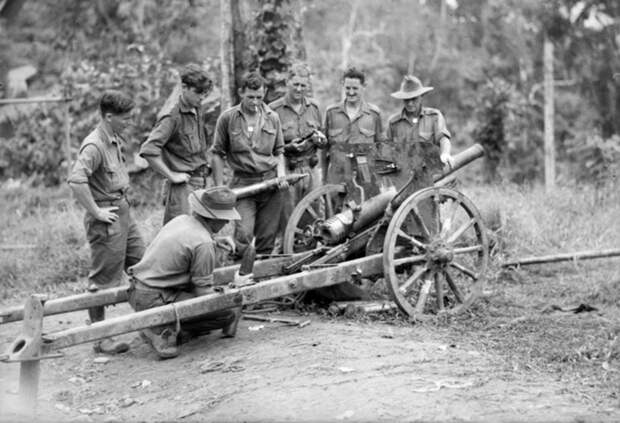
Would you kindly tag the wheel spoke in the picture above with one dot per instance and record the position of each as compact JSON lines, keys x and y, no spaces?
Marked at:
{"x":465,"y":250}
{"x":437,"y":213}
{"x":312,"y":212}
{"x":420,"y":221}
{"x":329,"y":207}
{"x":464,"y":269}
{"x":460,"y":231}
{"x":299,"y":231}
{"x":439,"y":291}
{"x":409,"y":260}
{"x":454,"y":206}
{"x":455,"y":289}
{"x":411,"y":239}
{"x":426,"y":287}
{"x":412,"y":279}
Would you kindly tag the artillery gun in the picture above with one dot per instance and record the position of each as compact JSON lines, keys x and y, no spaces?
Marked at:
{"x":434,"y":246}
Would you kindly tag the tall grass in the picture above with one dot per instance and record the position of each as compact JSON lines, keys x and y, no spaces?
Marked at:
{"x":530,"y":221}
{"x":523,"y":221}
{"x":43,"y":244}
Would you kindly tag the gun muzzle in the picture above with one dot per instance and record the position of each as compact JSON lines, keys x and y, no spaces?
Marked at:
{"x":461,"y":160}
{"x":337,"y":227}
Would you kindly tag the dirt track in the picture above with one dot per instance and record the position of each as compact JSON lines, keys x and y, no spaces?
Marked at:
{"x":327,"y":371}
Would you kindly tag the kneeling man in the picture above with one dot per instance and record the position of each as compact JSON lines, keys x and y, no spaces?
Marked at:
{"x":179,"y":265}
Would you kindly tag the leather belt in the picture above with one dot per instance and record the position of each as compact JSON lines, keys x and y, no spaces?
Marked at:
{"x":201,"y":171}
{"x":112,"y":202}
{"x":268,"y":174}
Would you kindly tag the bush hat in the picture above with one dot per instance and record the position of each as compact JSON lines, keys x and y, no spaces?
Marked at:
{"x":411,"y":87}
{"x":214,"y":203}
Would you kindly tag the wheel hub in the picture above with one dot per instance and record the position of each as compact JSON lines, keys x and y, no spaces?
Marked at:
{"x":439,"y":254}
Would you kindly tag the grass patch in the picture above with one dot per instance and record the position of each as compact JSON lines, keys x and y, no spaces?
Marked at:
{"x":519,"y":317}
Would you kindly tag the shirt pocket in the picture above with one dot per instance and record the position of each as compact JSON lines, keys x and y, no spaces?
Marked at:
{"x":289,"y":130}
{"x":335,"y":135}
{"x":426,"y":136}
{"x":239,"y":142}
{"x":311,"y":125}
{"x":191,"y":139}
{"x":116,"y":177}
{"x":367,"y":135}
{"x":266,"y":142}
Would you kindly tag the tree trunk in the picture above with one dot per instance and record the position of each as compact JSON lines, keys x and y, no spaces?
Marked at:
{"x":347,"y":36}
{"x":439,"y":34}
{"x":549,"y":115}
{"x":227,"y":53}
{"x":239,"y":40}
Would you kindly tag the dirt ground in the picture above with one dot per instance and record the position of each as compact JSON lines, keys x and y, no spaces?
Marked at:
{"x":330,"y":370}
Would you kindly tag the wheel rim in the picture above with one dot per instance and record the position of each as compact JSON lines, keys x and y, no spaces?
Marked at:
{"x":435,"y":253}
{"x":316,"y":207}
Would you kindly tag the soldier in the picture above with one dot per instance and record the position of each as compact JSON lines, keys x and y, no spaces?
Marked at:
{"x":177,"y":146}
{"x":353,"y":121}
{"x":99,"y":181}
{"x":178,"y":265}
{"x":301,"y":120}
{"x":249,"y":137}
{"x":419,"y":124}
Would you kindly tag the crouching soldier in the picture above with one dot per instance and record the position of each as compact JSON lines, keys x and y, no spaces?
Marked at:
{"x":178,"y":265}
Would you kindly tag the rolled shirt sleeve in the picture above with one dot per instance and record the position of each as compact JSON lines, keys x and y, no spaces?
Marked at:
{"x":221,"y":140}
{"x":278,"y":145}
{"x":202,"y":265}
{"x":380,"y":136}
{"x":159,"y":136}
{"x":88,"y":161}
{"x":440,"y":127}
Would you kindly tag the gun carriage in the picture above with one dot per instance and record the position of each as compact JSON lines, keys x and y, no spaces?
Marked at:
{"x":392,"y":199}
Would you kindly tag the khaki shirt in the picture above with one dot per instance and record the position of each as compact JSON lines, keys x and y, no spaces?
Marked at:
{"x":180,"y":137}
{"x":247,"y":153}
{"x":181,"y":256}
{"x":430,"y":127}
{"x":366,"y":127}
{"x":297,"y":124}
{"x":101,"y":165}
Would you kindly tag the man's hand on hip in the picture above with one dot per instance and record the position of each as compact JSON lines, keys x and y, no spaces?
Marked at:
{"x":106,"y":214}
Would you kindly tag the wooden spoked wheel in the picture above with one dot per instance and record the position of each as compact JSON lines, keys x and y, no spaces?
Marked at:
{"x":435,"y":253}
{"x":316,"y":207}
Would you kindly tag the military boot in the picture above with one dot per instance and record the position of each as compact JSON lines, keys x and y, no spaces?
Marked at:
{"x":230,"y":330}
{"x":164,"y":343}
{"x":107,"y":345}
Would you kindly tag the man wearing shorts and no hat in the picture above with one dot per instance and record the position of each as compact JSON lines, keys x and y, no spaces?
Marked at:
{"x":178,"y":265}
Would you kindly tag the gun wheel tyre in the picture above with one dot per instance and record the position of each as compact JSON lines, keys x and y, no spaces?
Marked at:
{"x":317,"y":206}
{"x":435,"y":262}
